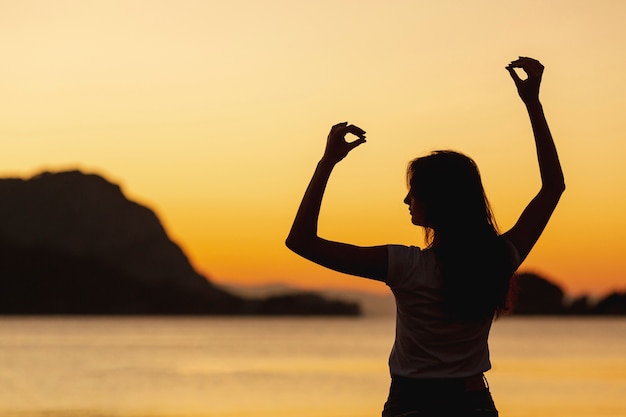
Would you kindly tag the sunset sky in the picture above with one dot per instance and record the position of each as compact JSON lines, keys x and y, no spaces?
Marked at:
{"x":215,"y":113}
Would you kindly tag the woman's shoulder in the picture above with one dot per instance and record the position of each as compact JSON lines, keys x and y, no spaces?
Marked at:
{"x":408,"y":263}
{"x":402,"y":252}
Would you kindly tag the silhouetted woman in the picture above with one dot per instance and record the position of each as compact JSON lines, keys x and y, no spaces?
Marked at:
{"x":448,"y":293}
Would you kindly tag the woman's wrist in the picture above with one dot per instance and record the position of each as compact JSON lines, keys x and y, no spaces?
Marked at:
{"x":326,"y":162}
{"x":534,"y":103}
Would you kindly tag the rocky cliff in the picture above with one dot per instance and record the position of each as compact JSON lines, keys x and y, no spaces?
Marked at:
{"x":72,"y":243}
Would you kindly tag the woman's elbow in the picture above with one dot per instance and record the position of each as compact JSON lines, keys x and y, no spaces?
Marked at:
{"x":553,"y":190}
{"x":555,"y":184}
{"x":560,"y":186}
{"x":295,"y":244}
{"x":291,"y":244}
{"x":301,"y":245}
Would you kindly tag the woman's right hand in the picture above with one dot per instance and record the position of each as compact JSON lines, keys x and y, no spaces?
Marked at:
{"x":336,"y":145}
{"x":528,"y":89}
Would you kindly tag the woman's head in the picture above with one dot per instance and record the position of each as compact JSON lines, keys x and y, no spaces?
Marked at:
{"x":447,"y":195}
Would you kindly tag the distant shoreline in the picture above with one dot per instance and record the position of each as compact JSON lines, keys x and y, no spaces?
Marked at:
{"x":545,"y":299}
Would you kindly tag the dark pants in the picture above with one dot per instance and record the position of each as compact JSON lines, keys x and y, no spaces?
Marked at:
{"x":463,"y":397}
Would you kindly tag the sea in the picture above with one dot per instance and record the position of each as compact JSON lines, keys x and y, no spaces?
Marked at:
{"x":279,"y":367}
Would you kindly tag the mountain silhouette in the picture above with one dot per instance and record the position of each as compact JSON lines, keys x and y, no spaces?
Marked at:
{"x":536,"y":295}
{"x":72,"y":243}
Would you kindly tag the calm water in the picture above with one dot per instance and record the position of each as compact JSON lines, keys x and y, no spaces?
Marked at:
{"x":201,"y":367}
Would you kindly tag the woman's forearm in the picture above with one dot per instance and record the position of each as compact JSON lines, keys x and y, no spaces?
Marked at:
{"x":303,"y":232}
{"x":549,"y":165}
{"x":304,"y":228}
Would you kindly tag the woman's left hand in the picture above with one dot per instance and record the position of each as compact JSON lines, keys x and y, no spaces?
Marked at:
{"x":528,"y":89}
{"x":336,"y":145}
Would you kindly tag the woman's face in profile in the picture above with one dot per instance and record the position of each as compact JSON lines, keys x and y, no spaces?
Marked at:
{"x":415,"y":209}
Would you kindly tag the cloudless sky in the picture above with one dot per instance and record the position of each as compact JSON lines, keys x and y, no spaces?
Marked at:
{"x":214,"y":114}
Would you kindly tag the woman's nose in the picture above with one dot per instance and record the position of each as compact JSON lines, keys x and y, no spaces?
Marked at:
{"x":407,"y":200}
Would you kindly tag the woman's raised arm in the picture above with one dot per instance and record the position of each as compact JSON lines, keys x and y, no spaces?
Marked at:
{"x":535,"y":216}
{"x":368,"y":262}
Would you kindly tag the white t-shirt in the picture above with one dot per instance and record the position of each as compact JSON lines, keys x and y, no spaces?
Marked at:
{"x":429,"y":343}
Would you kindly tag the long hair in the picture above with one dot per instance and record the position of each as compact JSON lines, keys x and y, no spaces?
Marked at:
{"x":474,"y":262}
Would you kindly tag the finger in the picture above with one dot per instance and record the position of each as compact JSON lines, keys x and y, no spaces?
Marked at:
{"x":533,"y":70}
{"x":356,"y":143}
{"x":339,"y":126}
{"x":522,"y":61}
{"x":527,"y":63}
{"x":514,"y":75}
{"x":529,"y":59}
{"x":355,"y":130}
{"x":336,"y":129}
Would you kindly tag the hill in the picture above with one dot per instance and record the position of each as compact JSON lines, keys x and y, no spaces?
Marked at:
{"x":536,"y":295}
{"x":72,"y":243}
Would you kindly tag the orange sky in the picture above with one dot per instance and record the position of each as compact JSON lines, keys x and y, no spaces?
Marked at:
{"x":215,"y":113}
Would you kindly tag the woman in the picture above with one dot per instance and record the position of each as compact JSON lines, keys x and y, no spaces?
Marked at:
{"x":448,"y":293}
